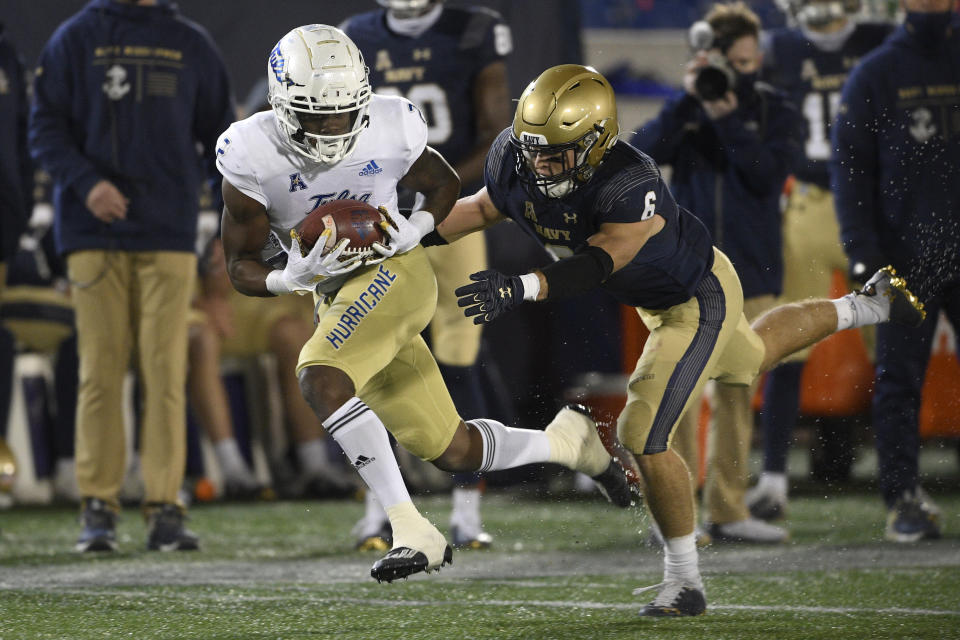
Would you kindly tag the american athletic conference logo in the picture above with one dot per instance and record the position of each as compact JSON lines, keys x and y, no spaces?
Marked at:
{"x":371,"y":169}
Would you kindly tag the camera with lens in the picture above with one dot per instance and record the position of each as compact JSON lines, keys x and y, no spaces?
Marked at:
{"x":716,"y":78}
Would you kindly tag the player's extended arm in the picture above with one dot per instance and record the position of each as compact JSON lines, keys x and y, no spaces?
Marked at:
{"x":609,"y":249}
{"x":244,"y":230}
{"x":469,"y":214}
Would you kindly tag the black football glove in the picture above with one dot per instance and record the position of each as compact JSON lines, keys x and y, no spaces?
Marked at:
{"x":491,"y":295}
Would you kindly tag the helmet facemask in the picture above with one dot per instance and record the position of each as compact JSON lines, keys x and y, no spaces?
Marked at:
{"x":323,"y":148}
{"x":314,"y":71}
{"x":570,"y":176}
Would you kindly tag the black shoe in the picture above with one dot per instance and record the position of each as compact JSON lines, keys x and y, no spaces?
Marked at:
{"x":99,"y":531}
{"x":675,"y":599}
{"x":404,"y":561}
{"x":912,"y":519}
{"x":166,"y":530}
{"x":615,"y":481}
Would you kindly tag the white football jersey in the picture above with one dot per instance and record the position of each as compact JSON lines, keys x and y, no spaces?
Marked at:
{"x":254,"y":157}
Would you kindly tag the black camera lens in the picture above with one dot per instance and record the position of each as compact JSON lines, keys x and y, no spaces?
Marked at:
{"x":711,"y":83}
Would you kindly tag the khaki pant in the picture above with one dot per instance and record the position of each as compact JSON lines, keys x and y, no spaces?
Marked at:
{"x":454,"y":339}
{"x":728,"y":441}
{"x":125,"y":303}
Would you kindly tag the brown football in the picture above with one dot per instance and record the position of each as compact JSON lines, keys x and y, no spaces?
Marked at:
{"x":346,"y":218}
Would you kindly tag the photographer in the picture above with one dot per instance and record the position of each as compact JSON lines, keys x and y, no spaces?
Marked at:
{"x":731,"y":142}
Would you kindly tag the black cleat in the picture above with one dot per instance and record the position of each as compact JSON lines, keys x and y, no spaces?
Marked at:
{"x":912,"y":518}
{"x":166,"y":529}
{"x":404,"y":561}
{"x":620,"y":494}
{"x":612,"y":481}
{"x":905,"y":308}
{"x":614,"y":486}
{"x":675,"y":599}
{"x":99,"y":531}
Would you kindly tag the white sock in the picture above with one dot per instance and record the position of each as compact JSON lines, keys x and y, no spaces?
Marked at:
{"x":856,"y":310}
{"x":773,"y":482}
{"x":373,"y":516}
{"x":312,"y":455}
{"x":363,"y":438}
{"x":230,"y":459}
{"x":680,"y":559}
{"x":506,"y":447}
{"x":466,"y":508}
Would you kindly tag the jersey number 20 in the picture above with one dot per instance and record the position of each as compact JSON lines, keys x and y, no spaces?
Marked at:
{"x":432,"y":100}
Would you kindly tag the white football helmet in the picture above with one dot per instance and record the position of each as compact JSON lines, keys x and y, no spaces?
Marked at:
{"x":317,"y":70}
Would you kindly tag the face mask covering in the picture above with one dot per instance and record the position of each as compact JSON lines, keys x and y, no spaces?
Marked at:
{"x":929,"y":29}
{"x":744,"y":87}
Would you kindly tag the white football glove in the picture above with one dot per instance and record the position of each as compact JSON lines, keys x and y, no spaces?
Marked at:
{"x":304,"y":272}
{"x":402,"y":234}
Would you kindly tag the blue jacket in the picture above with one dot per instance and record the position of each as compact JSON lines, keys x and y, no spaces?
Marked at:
{"x":16,"y":170}
{"x":896,"y":166}
{"x":125,"y":93}
{"x":730,"y":172}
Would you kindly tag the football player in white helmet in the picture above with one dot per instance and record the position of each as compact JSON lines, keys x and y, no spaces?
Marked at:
{"x":366,"y":369}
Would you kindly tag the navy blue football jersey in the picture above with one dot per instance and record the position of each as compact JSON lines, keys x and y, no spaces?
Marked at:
{"x":627,"y":187}
{"x":812,"y":79}
{"x":437,"y":70}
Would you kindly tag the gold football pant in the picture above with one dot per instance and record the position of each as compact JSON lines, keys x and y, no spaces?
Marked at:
{"x":370,"y":330}
{"x":728,"y":440}
{"x":705,"y":337}
{"x":131,"y":302}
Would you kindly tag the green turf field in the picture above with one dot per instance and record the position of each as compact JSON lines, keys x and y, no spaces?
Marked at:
{"x":560,"y":569}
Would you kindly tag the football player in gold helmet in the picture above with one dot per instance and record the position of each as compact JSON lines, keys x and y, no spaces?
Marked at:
{"x":602,"y":208}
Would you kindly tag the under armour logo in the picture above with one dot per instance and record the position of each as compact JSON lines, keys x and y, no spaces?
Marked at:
{"x":570,"y":218}
{"x":505,"y":292}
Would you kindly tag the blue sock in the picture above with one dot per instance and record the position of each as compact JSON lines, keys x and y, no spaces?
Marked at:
{"x":781,"y":407}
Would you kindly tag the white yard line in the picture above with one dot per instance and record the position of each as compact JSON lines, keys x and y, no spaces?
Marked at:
{"x":292,"y":596}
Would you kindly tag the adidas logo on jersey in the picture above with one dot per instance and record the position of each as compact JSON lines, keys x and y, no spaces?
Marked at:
{"x":362,"y":461}
{"x":371,"y":169}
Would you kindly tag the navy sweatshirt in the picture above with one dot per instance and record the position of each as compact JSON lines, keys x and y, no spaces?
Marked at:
{"x":126,"y":93}
{"x":895,"y":171}
{"x":15,"y":167}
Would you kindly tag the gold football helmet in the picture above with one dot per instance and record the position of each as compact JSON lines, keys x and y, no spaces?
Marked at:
{"x":568,"y":107}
